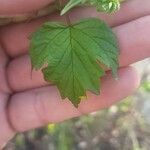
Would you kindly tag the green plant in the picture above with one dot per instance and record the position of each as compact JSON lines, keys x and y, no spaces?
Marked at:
{"x":71,"y":55}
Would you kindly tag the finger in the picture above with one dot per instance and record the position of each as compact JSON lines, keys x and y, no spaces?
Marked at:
{"x":4,"y":87}
{"x":25,"y":77}
{"x":6,"y":132}
{"x":15,"y":37}
{"x":38,"y":107}
{"x":10,"y":7}
{"x":134,"y":44}
{"x":21,"y":79}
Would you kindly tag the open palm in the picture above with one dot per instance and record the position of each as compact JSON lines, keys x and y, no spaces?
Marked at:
{"x":27,"y":103}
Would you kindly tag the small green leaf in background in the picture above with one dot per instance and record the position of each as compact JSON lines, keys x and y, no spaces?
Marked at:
{"x":71,"y":56}
{"x":71,"y":4}
{"x":107,"y":6}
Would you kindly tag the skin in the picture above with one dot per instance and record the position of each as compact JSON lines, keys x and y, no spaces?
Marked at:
{"x":27,"y":103}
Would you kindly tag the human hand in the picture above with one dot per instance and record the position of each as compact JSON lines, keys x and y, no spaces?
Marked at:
{"x":27,"y":103}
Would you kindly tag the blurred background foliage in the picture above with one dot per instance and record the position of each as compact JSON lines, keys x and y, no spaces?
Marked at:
{"x":124,"y":126}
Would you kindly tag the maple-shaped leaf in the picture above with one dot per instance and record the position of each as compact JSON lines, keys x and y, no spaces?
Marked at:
{"x":71,"y":55}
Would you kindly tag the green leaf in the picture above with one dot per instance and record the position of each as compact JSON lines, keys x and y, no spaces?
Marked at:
{"x":70,"y":56}
{"x":71,"y":4}
{"x":107,"y":6}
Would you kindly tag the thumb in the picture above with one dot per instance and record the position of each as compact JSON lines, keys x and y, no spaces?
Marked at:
{"x":12,"y":7}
